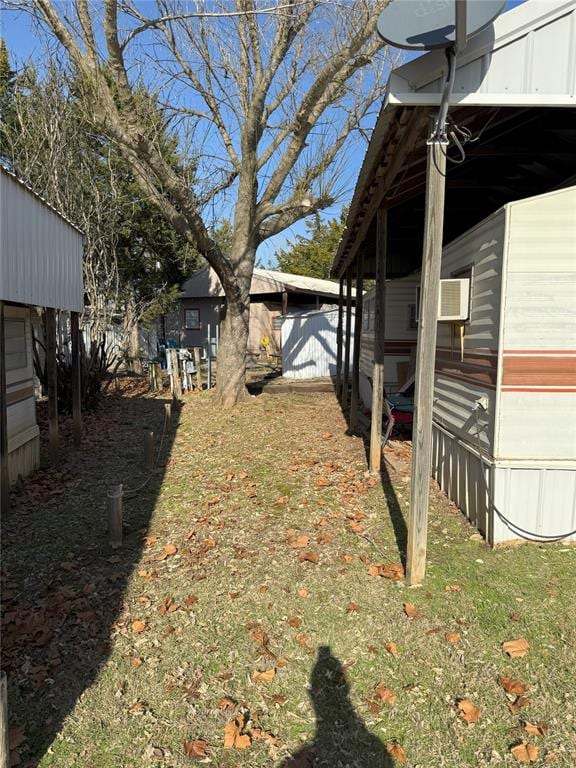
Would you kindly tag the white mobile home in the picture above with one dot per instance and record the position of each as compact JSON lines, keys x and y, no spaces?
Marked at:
{"x":504,"y":426}
{"x":40,"y":266}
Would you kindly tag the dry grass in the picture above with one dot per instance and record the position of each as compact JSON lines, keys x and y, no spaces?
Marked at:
{"x":238,"y":488}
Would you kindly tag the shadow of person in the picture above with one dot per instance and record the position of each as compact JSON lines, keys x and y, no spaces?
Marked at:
{"x":341,"y":739}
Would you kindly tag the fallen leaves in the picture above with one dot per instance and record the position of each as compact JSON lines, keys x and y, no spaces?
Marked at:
{"x":385,"y":694}
{"x":396,"y":751}
{"x":536,"y":729}
{"x":299,"y":542}
{"x":519,"y":703}
{"x":167,"y":606}
{"x":453,"y":637}
{"x":263,"y":677}
{"x":468,"y":711}
{"x":303,"y":592}
{"x":309,"y":557}
{"x":392,"y":648}
{"x":513,"y":686}
{"x":169,"y":551}
{"x":392,"y":571}
{"x":525,"y":752}
{"x":352,"y":607}
{"x":196,"y":749}
{"x":516,"y":649}
{"x":295,"y":621}
{"x":411,"y":611}
{"x":233,"y":736}
{"x":452,"y":588}
{"x":138,"y":626}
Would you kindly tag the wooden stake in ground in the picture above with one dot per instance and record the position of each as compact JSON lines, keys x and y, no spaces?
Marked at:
{"x":339,"y":333}
{"x":175,"y":375}
{"x":347,"y":341}
{"x":149,"y":451}
{"x":355,"y":396}
{"x":425,"y":360}
{"x":4,"y":471}
{"x":52,"y":377}
{"x":168,"y":414}
{"x":197,"y":363}
{"x":115,"y":517}
{"x":379,"y":343}
{"x":76,"y":379}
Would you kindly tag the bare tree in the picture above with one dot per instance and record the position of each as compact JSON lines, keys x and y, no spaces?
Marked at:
{"x":271,"y":90}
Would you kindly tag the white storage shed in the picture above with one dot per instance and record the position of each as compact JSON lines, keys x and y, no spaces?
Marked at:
{"x":309,"y":344}
{"x":40,"y":266}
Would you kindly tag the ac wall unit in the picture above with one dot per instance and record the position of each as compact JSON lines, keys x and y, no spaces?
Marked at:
{"x":453,"y":301}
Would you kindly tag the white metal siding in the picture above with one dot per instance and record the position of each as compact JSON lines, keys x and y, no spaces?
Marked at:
{"x":40,"y":253}
{"x":309,"y":344}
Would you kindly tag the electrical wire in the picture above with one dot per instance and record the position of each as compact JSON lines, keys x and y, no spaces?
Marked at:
{"x":523,"y":533}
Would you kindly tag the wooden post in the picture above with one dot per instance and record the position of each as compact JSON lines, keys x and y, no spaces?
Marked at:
{"x":355,"y":396}
{"x":4,"y":469}
{"x":4,"y":731}
{"x":339,"y":333}
{"x":76,"y":379}
{"x":347,"y":341}
{"x":149,"y":451}
{"x":209,"y":353}
{"x":115,"y":518}
{"x":175,"y":375}
{"x":168,"y":414}
{"x":425,"y":361}
{"x":379,"y":342}
{"x":284,"y":302}
{"x":52,"y":376}
{"x":197,"y":363}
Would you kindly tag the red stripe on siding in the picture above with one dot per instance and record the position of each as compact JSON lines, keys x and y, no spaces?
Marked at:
{"x":551,"y":391}
{"x":543,"y":371}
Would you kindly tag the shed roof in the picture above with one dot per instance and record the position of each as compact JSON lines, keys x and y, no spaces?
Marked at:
{"x":40,"y":251}
{"x":205,"y":283}
{"x":510,"y":81}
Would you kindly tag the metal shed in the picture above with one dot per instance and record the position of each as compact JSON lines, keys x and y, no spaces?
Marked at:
{"x":513,"y":107}
{"x":40,"y":266}
{"x":309,"y":344}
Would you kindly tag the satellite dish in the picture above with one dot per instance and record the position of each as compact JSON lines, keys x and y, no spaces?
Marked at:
{"x":421,"y":25}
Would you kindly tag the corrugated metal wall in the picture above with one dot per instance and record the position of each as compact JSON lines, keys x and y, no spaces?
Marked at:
{"x":40,"y":253}
{"x":309,"y":344}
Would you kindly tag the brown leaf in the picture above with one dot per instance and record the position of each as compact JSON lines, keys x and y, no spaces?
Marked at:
{"x":468,"y":711}
{"x":516,"y":648}
{"x":411,"y":611}
{"x":385,"y":694}
{"x":282,"y":500}
{"x":396,"y":751}
{"x":263,"y":677}
{"x":190,"y":601}
{"x":513,"y":686}
{"x":310,"y":557}
{"x":233,"y":736}
{"x":213,"y":500}
{"x":519,"y":703}
{"x":16,"y":737}
{"x":226,"y":703}
{"x":299,"y":542}
{"x":453,"y":637}
{"x":303,"y":592}
{"x":196,"y":748}
{"x":321,"y":482}
{"x":136,"y":661}
{"x":356,"y":527}
{"x":352,"y":607}
{"x":536,"y":729}
{"x":393,"y":571}
{"x":295,"y":621}
{"x":391,"y":648}
{"x":452,"y":588}
{"x":231,"y":730}
{"x":347,"y":558}
{"x":138,"y":626}
{"x":242,"y":475}
{"x":525,"y":753}
{"x":302,"y":640}
{"x":168,"y":551}
{"x":280,"y":700}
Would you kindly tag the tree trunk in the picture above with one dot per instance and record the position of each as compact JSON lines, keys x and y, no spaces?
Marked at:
{"x":132,"y":335}
{"x":234,"y":328}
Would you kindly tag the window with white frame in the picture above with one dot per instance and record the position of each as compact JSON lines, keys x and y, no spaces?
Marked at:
{"x":15,"y":336}
{"x":192,"y":319}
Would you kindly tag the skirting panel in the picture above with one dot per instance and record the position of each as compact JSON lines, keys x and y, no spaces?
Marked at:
{"x":24,"y":459}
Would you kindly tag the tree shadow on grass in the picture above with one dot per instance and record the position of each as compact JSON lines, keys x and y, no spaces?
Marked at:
{"x":395,"y":512}
{"x":63,"y":586}
{"x":341,"y":739}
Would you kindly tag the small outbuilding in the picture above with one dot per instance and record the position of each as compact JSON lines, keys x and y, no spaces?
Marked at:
{"x":272,"y":295}
{"x":40,"y":267}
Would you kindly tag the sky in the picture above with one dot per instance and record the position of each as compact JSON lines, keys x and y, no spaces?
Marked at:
{"x":23,"y":43}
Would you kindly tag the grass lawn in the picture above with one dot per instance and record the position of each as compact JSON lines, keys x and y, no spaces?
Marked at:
{"x":242,"y":607}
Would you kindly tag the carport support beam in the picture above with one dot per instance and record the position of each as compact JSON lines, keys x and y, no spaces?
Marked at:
{"x":339,"y":334}
{"x":52,"y":384}
{"x":425,"y":362}
{"x":4,"y":471}
{"x":347,"y":341}
{"x":355,"y":396}
{"x":76,"y":379}
{"x":379,"y":343}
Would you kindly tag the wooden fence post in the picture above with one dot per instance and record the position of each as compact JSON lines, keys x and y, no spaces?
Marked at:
{"x":197,"y":363}
{"x":52,"y":376}
{"x":4,"y":470}
{"x":149,"y":451}
{"x":347,"y":340}
{"x":425,"y":362}
{"x":355,"y":396}
{"x":379,"y":343}
{"x":76,"y":379}
{"x":115,"y":517}
{"x":175,"y":375}
{"x":339,"y":333}
{"x":168,"y":414}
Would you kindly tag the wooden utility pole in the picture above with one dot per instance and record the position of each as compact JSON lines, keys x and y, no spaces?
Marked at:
{"x":379,"y":342}
{"x":4,"y":470}
{"x":339,"y":339}
{"x":425,"y":361}
{"x":52,"y":377}
{"x":347,"y":341}
{"x":355,"y":397}
{"x":76,"y":379}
